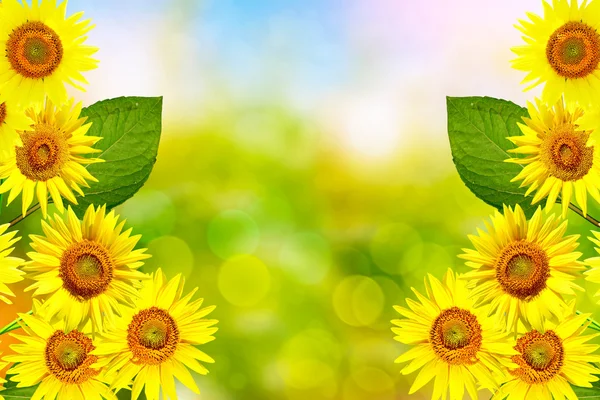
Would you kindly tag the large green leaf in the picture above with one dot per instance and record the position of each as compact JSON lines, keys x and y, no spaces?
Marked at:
{"x":477,"y":128}
{"x":130,"y":128}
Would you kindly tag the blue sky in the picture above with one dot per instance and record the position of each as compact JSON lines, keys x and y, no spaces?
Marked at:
{"x":259,"y":51}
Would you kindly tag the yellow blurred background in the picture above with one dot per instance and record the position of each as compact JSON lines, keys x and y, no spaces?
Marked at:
{"x":304,"y":180}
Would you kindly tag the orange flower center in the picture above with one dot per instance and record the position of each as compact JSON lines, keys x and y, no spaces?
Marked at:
{"x":68,"y":359}
{"x":34,"y":50}
{"x":152,"y":336}
{"x":456,"y":336}
{"x":86,"y":269}
{"x":573,"y":50}
{"x":44,"y":152}
{"x":522,"y":269}
{"x":566,"y":154}
{"x":541,"y":357}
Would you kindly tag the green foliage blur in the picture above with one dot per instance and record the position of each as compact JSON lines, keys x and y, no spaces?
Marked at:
{"x":303,"y":249}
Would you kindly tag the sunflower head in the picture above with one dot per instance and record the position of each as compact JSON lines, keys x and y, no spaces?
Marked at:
{"x":573,"y":50}
{"x":551,"y":360}
{"x":52,"y":157}
{"x":34,"y":50}
{"x":43,"y":154}
{"x":456,"y":336}
{"x":522,"y":268}
{"x":43,"y":51}
{"x":562,"y":51}
{"x":85,"y":270}
{"x":59,"y":360}
{"x":451,"y":339}
{"x":68,"y":358}
{"x":540,"y":357}
{"x":560,"y":156}
{"x":152,"y":336}
{"x":159,"y":335}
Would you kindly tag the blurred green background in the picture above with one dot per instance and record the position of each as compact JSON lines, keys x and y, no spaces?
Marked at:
{"x":304,"y":180}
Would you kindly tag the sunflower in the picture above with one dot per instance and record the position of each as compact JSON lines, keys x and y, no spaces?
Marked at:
{"x":454,"y":341}
{"x":59,"y":359}
{"x":561,"y":159}
{"x":551,"y":360}
{"x":9,"y":266}
{"x":562,"y":51}
{"x":43,"y":50}
{"x":51,"y":158}
{"x":12,"y":120}
{"x":523,"y":268}
{"x":84,"y":270}
{"x":156,"y":341}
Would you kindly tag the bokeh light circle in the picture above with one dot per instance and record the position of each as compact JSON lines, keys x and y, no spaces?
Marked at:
{"x":390,"y":244}
{"x":307,"y":256}
{"x":368,"y":382}
{"x":231,"y":233}
{"x":358,"y":300}
{"x":373,"y":380}
{"x":151,"y":212}
{"x":244,"y":280}
{"x":308,"y":362}
{"x":172,"y":254}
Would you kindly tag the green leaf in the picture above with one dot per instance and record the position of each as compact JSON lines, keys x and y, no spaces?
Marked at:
{"x":130,"y":128}
{"x":125,"y":394}
{"x":588,"y":393}
{"x":478,"y":127}
{"x":15,"y":393}
{"x":10,"y":384}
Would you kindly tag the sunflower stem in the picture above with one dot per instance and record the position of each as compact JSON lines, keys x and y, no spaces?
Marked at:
{"x":13,"y":325}
{"x":22,"y":217}
{"x":588,"y":217}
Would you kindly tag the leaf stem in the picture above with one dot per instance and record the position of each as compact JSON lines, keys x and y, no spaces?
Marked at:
{"x":588,"y":217}
{"x":12,"y":326}
{"x":593,"y":324}
{"x":22,"y":217}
